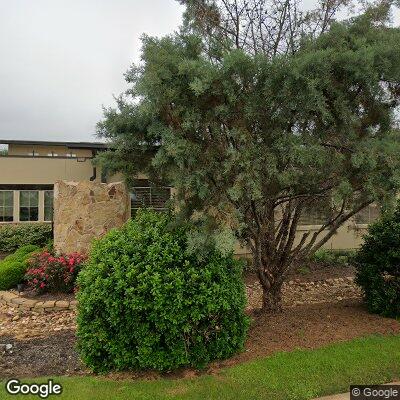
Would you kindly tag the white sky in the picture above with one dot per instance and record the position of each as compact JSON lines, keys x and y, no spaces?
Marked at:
{"x":62,"y":60}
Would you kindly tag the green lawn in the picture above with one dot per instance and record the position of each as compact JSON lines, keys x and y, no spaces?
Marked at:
{"x":301,"y":374}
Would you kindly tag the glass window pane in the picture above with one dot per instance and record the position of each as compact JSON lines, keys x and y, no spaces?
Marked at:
{"x":34,"y":198}
{"x":24,"y":198}
{"x":24,"y":214}
{"x":8,"y":198}
{"x":48,"y":214}
{"x":34,"y":214}
{"x":48,"y":198}
{"x":8,"y":214}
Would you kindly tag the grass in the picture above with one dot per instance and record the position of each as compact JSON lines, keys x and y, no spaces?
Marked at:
{"x":297,"y":375}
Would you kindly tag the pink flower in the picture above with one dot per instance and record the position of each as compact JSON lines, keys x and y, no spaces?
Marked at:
{"x":42,"y":285}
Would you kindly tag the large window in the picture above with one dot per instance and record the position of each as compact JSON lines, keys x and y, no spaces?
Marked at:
{"x":28,"y":205}
{"x":48,"y":205}
{"x":6,"y":205}
{"x":152,"y":197}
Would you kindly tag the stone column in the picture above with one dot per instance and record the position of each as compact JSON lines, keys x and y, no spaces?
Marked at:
{"x":87,"y":210}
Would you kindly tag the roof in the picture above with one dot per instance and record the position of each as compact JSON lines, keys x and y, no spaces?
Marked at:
{"x":70,"y":145}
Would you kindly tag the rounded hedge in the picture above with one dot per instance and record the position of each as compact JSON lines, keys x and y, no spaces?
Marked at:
{"x":378,"y":266}
{"x":14,"y":266}
{"x":144,"y":302}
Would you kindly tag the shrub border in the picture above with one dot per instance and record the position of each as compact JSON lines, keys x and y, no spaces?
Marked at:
{"x":27,"y":304}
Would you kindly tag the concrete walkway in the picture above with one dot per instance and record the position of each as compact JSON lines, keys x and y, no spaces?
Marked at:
{"x":346,"y":396}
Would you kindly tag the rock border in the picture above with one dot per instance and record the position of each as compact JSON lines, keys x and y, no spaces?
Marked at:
{"x":27,"y":304}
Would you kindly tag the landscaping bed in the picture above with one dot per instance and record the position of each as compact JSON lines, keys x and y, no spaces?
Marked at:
{"x":45,"y":344}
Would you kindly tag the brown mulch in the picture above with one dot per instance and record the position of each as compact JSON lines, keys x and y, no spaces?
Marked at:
{"x":306,"y":326}
{"x":311,"y":326}
{"x":32,"y":294}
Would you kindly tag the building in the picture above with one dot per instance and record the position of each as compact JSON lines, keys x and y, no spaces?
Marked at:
{"x":29,"y":169}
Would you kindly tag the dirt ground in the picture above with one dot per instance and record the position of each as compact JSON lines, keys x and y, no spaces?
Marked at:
{"x":320,"y":308}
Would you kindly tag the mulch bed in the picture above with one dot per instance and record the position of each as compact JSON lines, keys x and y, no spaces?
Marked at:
{"x":308,"y":326}
{"x":32,"y":294}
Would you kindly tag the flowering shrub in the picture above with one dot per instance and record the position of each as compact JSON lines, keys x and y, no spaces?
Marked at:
{"x":47,"y":273}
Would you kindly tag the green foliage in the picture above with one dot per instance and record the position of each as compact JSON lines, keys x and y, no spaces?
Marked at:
{"x":378,"y":266}
{"x":14,"y":266}
{"x":247,"y":137}
{"x":145,"y":302}
{"x":14,"y":236}
{"x":334,"y":257}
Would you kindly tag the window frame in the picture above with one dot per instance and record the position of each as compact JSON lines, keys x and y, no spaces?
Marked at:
{"x":29,"y":207}
{"x":3,"y":207}
{"x":44,"y":206}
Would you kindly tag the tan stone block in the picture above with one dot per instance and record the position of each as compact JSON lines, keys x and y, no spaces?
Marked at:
{"x":62,"y":304}
{"x":48,"y":304}
{"x":18,"y":300}
{"x":30,"y":303}
{"x":8,"y":296}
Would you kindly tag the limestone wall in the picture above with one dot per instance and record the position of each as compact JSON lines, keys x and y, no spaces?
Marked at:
{"x":86,"y":210}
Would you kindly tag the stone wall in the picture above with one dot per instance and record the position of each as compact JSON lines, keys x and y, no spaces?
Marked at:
{"x":87,"y":210}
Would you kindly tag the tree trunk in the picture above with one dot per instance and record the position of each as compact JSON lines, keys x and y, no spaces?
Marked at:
{"x":272,"y":299}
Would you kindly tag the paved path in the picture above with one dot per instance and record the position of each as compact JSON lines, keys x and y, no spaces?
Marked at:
{"x":346,"y":396}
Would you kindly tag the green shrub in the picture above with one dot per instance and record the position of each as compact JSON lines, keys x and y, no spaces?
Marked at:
{"x":334,"y":257}
{"x":14,"y":236}
{"x":14,"y":266}
{"x":378,"y":266}
{"x":144,"y":302}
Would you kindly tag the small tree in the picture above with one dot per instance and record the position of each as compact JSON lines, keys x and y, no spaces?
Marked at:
{"x":251,"y":142}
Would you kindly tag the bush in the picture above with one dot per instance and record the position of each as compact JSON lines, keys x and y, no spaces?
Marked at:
{"x":14,"y":266}
{"x":14,"y":236}
{"x":144,"y":302}
{"x":48,"y":273}
{"x":378,"y":266}
{"x":334,"y":257}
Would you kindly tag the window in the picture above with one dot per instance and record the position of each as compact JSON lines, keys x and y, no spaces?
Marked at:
{"x":150,"y":197}
{"x":48,"y":205}
{"x":367,"y":215}
{"x":33,"y":154}
{"x":28,"y":205}
{"x":71,"y":155}
{"x":318,"y":214}
{"x":52,"y":154}
{"x":6,"y":206}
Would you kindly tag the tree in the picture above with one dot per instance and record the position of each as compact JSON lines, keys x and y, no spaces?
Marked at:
{"x":270,"y":27}
{"x":252,"y":142}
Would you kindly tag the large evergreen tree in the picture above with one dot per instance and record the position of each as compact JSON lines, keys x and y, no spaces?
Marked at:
{"x":251,"y":141}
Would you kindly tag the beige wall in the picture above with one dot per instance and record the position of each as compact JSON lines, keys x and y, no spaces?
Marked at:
{"x":17,"y":170}
{"x":61,"y":151}
{"x":348,"y":236}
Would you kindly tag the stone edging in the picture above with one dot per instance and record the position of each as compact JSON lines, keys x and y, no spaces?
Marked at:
{"x":23,"y":303}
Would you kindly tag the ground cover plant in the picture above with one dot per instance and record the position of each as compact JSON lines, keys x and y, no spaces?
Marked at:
{"x":14,"y":236}
{"x":49,"y":273}
{"x":378,"y":266}
{"x":297,"y":375}
{"x":146,"y":302}
{"x":14,"y":266}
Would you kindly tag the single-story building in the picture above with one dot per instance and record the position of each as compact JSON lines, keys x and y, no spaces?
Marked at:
{"x":29,"y":169}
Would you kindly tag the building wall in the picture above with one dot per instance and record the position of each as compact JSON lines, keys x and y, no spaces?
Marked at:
{"x":35,"y":170}
{"x":61,"y":151}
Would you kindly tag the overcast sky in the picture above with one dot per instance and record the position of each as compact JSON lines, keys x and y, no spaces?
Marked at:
{"x":62,"y":60}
